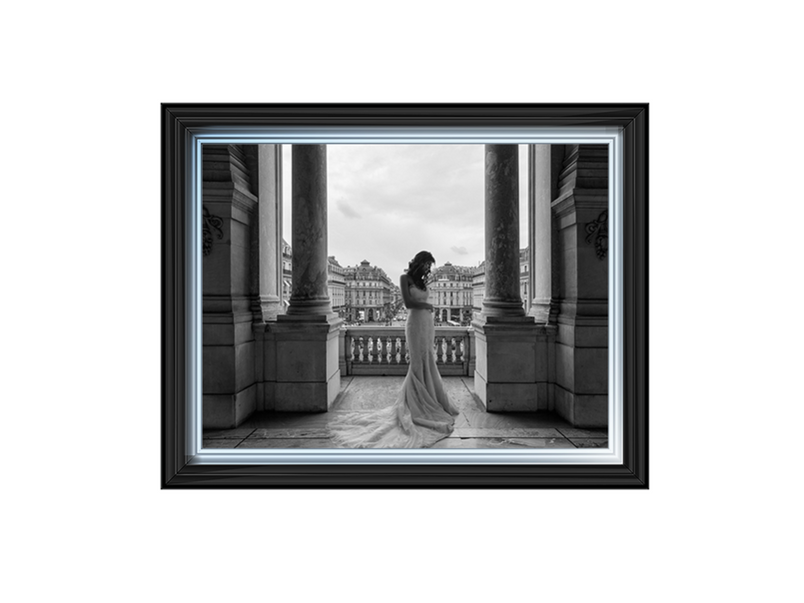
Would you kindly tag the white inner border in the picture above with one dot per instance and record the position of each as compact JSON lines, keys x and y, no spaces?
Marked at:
{"x":613,"y":137}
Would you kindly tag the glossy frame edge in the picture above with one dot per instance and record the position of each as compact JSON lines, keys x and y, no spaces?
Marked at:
{"x":180,"y":121}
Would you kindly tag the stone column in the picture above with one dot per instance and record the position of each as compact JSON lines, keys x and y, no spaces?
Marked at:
{"x":581,"y":215}
{"x":539,"y":226}
{"x":310,"y":295}
{"x":230,"y":207}
{"x":511,"y":365}
{"x":306,"y":359}
{"x":502,"y":297}
{"x":267,"y":239}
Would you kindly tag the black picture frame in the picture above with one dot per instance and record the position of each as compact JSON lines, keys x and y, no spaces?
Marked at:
{"x":179,"y":121}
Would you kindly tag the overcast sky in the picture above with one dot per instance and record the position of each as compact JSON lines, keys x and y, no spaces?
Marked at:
{"x":388,"y":202}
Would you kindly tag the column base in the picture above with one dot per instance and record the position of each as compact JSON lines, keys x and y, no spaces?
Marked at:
{"x":308,"y":376}
{"x":266,"y":308}
{"x":540,"y":311}
{"x":512,"y":365}
{"x":502,"y":309}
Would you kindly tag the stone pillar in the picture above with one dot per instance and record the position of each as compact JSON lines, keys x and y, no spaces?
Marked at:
{"x":539,"y":228}
{"x":267,"y":236}
{"x":310,"y":294}
{"x":230,"y":388}
{"x":307,"y":358}
{"x":511,"y":364}
{"x":502,"y":298}
{"x":581,"y":214}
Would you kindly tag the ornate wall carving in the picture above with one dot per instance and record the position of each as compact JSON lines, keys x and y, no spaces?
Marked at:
{"x":211,"y":223}
{"x":599,"y":231}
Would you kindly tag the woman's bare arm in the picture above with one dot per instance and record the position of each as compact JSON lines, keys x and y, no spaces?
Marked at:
{"x":410,"y":303}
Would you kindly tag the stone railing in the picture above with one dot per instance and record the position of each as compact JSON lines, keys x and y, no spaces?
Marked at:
{"x":383,"y":351}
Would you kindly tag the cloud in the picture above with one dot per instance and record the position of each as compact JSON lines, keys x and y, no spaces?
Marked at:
{"x":388,"y":202}
{"x":347,"y":209}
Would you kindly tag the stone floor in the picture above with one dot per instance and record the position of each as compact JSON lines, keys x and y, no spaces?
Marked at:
{"x":474,"y":427}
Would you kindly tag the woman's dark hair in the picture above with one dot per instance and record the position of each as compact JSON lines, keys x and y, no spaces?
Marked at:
{"x":419,"y":268}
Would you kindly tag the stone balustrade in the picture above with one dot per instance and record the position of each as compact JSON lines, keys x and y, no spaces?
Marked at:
{"x":383,"y":350}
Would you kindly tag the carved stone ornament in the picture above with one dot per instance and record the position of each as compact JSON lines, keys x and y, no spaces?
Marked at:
{"x":211,"y":222}
{"x":599,"y":231}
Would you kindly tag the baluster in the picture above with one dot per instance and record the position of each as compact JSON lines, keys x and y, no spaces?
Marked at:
{"x":394,"y":359}
{"x":359,"y":349}
{"x":439,"y":343}
{"x":384,"y":350}
{"x":405,"y":351}
{"x":458,"y":350}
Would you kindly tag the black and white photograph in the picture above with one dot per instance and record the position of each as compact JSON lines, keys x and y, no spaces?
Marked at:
{"x":401,"y":302}
{"x":405,"y":296}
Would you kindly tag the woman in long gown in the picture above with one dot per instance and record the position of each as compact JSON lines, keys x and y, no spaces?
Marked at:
{"x":422,"y":413}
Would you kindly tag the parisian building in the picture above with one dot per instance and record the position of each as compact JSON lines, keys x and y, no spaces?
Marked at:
{"x":478,"y":289}
{"x":451,"y":294}
{"x":369,"y":294}
{"x":336,"y":283}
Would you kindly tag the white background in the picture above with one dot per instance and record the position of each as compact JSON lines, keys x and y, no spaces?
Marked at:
{"x":84,"y":517}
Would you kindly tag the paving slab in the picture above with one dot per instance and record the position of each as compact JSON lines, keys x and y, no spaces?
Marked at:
{"x":220,"y":443}
{"x":511,"y":432}
{"x":369,"y":393}
{"x":285,"y":432}
{"x":590,"y":442}
{"x":574,"y":432}
{"x":482,"y":419}
{"x":503,"y":443}
{"x":238,"y":433}
{"x":287,"y":443}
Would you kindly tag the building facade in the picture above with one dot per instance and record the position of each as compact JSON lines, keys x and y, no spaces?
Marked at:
{"x":478,"y":289}
{"x":369,"y":294}
{"x":336,"y":284}
{"x":451,"y":294}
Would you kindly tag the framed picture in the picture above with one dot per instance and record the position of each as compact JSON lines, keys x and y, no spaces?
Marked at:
{"x":404,"y":296}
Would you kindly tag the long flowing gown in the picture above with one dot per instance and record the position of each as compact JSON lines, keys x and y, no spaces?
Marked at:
{"x":422,"y":413}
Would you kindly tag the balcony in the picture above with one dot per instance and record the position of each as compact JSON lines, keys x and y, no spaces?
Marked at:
{"x":369,"y":350}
